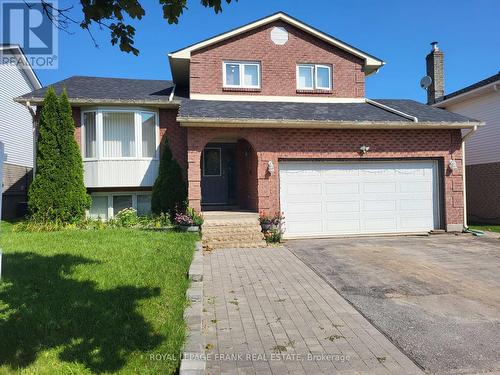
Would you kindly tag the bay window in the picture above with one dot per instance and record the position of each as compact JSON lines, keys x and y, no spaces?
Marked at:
{"x":314,"y":77}
{"x":90,"y":135}
{"x":148,"y":130}
{"x":119,"y":134}
{"x":241,"y":74}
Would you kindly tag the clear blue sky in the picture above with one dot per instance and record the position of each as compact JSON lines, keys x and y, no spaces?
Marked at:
{"x":397,"y":31}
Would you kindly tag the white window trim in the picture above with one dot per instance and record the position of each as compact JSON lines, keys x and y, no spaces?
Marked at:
{"x":137,"y":131}
{"x":311,"y":69}
{"x":314,"y":68}
{"x":110,"y":196}
{"x":242,"y":74}
{"x":316,"y":77}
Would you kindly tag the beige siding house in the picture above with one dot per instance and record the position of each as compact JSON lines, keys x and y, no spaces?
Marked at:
{"x":481,"y":101}
{"x":16,"y":129}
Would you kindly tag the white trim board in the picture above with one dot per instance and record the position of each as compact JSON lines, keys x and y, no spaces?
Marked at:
{"x":26,"y":66}
{"x":271,"y":98}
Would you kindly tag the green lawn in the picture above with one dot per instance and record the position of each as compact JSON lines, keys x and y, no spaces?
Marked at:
{"x":490,"y":228}
{"x":82,"y":302}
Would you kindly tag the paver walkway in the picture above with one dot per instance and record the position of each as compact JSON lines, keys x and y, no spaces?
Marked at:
{"x":266,"y":312}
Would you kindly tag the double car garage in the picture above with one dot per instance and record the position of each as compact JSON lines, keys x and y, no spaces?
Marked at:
{"x":325,"y":198}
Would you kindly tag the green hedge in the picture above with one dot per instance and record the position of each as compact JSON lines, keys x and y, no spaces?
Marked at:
{"x":57,"y":192}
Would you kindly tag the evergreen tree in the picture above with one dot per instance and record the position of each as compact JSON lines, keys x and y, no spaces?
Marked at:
{"x":169,"y":191}
{"x":57,"y":191}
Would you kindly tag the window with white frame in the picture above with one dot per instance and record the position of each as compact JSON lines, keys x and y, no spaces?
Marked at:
{"x":241,"y":74}
{"x":314,"y":77}
{"x":106,"y":205}
{"x":119,"y":134}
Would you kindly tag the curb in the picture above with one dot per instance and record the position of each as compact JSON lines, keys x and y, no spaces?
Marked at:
{"x":193,"y":360}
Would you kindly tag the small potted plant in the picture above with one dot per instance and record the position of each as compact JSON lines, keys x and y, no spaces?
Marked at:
{"x":272,"y":227}
{"x":266,"y":222}
{"x":189,"y":221}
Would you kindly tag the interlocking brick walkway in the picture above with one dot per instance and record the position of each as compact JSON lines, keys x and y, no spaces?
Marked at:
{"x":265,"y":312}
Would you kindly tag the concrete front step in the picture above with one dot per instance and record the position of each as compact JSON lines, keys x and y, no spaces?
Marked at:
{"x":254,"y":237}
{"x":231,"y":230}
{"x":230,"y":223}
{"x":227,"y":230}
{"x":233,"y":245}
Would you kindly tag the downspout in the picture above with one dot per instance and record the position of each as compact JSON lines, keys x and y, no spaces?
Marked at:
{"x":464,"y":138}
{"x":34,"y":132}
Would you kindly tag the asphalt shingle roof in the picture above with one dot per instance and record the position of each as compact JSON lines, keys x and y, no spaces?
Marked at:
{"x":95,"y":88}
{"x":474,"y":86}
{"x":211,"y":109}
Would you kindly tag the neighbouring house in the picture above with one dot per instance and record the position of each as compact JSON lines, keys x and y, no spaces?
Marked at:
{"x":272,"y":117}
{"x":16,"y":129}
{"x":480,"y":100}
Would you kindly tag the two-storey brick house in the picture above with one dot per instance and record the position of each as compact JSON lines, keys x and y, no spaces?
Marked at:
{"x":273,"y":117}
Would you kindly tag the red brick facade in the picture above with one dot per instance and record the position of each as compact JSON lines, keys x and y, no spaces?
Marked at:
{"x":260,"y":191}
{"x":279,"y":144}
{"x":257,"y":188}
{"x":176,"y":135}
{"x":278,"y":64}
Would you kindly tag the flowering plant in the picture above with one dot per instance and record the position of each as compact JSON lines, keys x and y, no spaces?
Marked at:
{"x":183,"y":219}
{"x":189,"y":218}
{"x":273,"y":220}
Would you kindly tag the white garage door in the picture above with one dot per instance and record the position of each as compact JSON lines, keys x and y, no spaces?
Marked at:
{"x":339,"y":198}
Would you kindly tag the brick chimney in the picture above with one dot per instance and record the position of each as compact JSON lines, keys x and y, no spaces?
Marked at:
{"x":435,"y":70}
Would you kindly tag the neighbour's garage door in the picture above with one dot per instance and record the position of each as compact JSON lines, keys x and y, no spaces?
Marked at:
{"x":338,"y":198}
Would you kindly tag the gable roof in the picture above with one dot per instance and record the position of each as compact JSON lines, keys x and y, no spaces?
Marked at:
{"x":23,"y":65}
{"x":100,"y":90}
{"x":383,"y":113}
{"x":179,"y":57}
{"x":493,"y":80}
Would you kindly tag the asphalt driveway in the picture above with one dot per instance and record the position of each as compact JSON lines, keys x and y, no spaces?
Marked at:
{"x":437,"y":298}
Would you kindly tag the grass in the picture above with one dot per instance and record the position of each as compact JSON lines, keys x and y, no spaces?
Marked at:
{"x":83,"y":302}
{"x":488,"y":227}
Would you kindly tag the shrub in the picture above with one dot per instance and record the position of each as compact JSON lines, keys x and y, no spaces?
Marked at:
{"x":57,"y":193}
{"x":126,"y":218}
{"x":155,"y":221}
{"x":273,"y":236}
{"x":169,"y":191}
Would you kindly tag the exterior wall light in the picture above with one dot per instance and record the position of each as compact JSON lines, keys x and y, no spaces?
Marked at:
{"x":270,"y":167}
{"x":453,"y":165}
{"x":364,"y":150}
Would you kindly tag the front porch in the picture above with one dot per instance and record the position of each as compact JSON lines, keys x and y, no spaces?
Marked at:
{"x":222,"y":174}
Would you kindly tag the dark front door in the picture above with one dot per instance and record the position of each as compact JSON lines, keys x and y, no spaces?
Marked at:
{"x":217,"y":174}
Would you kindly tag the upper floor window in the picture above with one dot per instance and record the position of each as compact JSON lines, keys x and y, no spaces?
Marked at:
{"x":241,"y":74}
{"x":119,"y":134}
{"x":314,"y":77}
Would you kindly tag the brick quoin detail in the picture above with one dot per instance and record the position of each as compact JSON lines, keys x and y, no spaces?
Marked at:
{"x":282,"y":144}
{"x":278,"y":64}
